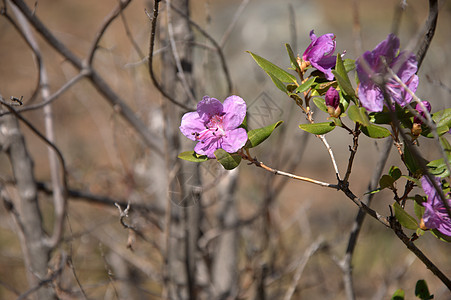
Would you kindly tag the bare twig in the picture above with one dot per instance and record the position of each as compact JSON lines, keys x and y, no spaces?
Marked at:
{"x":345,"y":264}
{"x":301,"y":265}
{"x":106,"y":22}
{"x":150,"y":61}
{"x":178,"y":63}
{"x":216,"y":46}
{"x":99,"y":83}
{"x":430,"y":25}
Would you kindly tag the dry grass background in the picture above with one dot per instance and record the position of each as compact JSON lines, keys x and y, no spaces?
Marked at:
{"x":105,"y":156}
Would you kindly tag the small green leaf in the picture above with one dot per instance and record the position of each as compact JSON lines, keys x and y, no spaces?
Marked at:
{"x":438,"y":167}
{"x":257,"y":136}
{"x":228,"y":161}
{"x":384,"y":117}
{"x":422,"y":290}
{"x":418,"y":208}
{"x":279,"y":84}
{"x":442,"y":117}
{"x":441,"y":236}
{"x":192,"y":156}
{"x":349,"y":64}
{"x":342,"y":77}
{"x":306,"y":85}
{"x":320,"y":103}
{"x":404,"y":218}
{"x":411,"y":161}
{"x":272,"y":69}
{"x":358,"y":115}
{"x":398,"y":295}
{"x":395,"y":172}
{"x":386,"y":181}
{"x":293,"y":60}
{"x":318,"y":128}
{"x":344,"y":85}
{"x":375,"y":131}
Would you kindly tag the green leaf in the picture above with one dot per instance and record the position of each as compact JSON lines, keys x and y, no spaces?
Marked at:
{"x":344,"y":84}
{"x":398,"y":295}
{"x":419,"y":209}
{"x":404,"y":218}
{"x":442,"y":117}
{"x":279,"y":84}
{"x":395,"y":172}
{"x":441,"y":236}
{"x":358,"y":115}
{"x":422,"y":291}
{"x":257,"y":136}
{"x":272,"y":69}
{"x":385,"y":117}
{"x":192,"y":156}
{"x":349,"y":65}
{"x":438,"y":167}
{"x":320,"y":103}
{"x":411,"y":161}
{"x":227,"y":160}
{"x":306,"y":85}
{"x":386,"y":181}
{"x":293,"y":60}
{"x":318,"y":128}
{"x":344,"y":102}
{"x":375,"y":131}
{"x":342,"y":77}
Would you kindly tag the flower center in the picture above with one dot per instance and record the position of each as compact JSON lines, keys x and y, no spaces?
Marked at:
{"x":213,"y":128}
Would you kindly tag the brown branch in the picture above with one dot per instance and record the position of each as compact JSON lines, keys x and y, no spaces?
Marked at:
{"x":430,"y":25}
{"x":150,"y":61}
{"x":107,"y":21}
{"x":215,"y":44}
{"x":99,"y":83}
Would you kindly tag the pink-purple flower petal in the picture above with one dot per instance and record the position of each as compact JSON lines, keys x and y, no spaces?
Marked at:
{"x":215,"y":125}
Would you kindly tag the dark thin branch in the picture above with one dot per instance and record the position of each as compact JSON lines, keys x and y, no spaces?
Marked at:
{"x":430,"y":25}
{"x":107,"y":21}
{"x":346,"y":263}
{"x":215,"y":44}
{"x":150,"y":61}
{"x":99,"y":83}
{"x":43,"y":138}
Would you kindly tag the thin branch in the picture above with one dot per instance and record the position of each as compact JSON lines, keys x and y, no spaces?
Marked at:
{"x":54,"y":96}
{"x":301,"y":265}
{"x":430,"y":25}
{"x":150,"y":61}
{"x":217,"y":46}
{"x":345,"y":264}
{"x":259,"y":164}
{"x":175,"y":54}
{"x":98,"y":82}
{"x":43,"y":138}
{"x":234,"y":21}
{"x":107,"y":21}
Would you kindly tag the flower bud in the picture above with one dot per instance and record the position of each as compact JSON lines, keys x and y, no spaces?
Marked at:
{"x":416,"y":128}
{"x":333,"y":102}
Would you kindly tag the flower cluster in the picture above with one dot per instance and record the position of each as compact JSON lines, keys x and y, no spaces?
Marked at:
{"x":435,"y":214}
{"x":374,"y":63}
{"x":215,"y":125}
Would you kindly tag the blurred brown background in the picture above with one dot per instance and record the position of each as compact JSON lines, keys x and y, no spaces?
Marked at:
{"x":104,"y":155}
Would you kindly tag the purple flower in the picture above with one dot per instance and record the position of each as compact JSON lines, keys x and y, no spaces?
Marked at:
{"x":370,"y":65}
{"x":319,"y":53}
{"x":333,"y":102}
{"x":435,"y":215}
{"x":214,"y":125}
{"x":420,"y":110}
